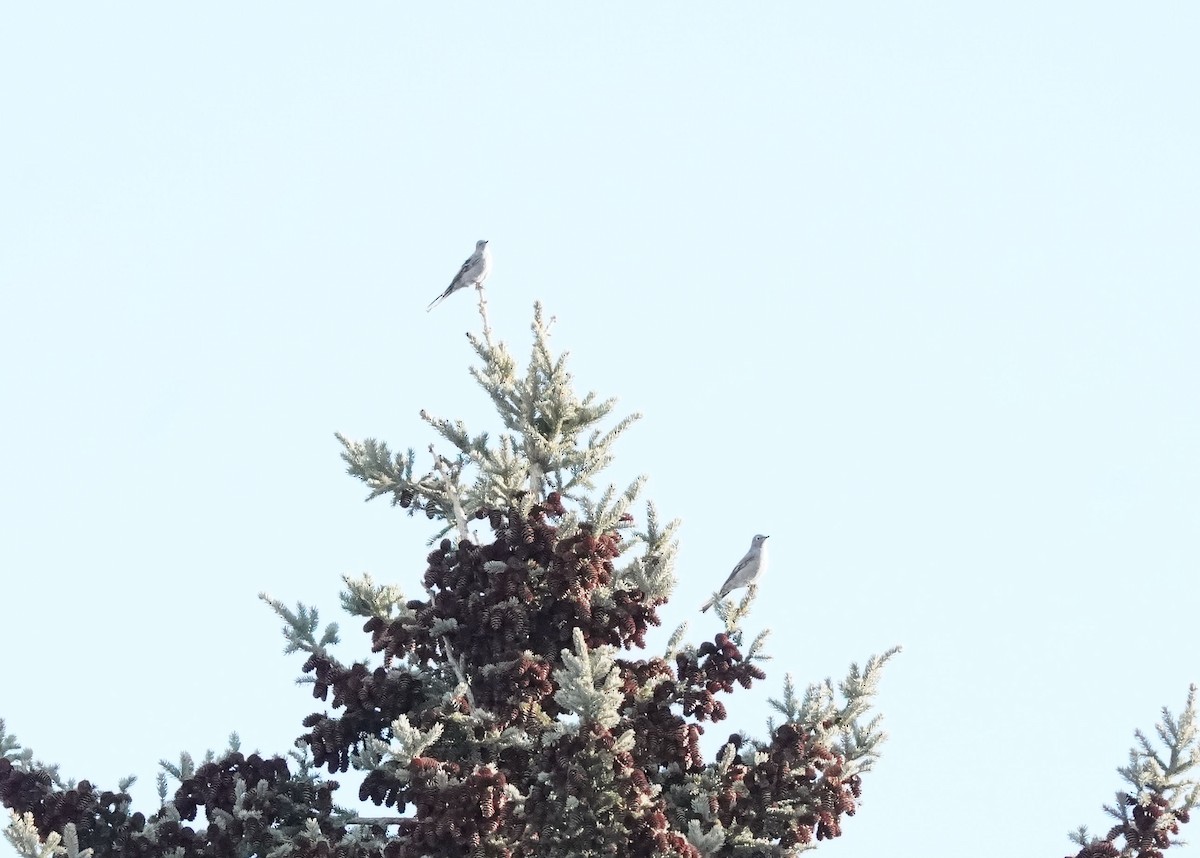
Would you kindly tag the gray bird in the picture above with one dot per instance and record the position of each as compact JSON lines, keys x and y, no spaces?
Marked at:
{"x":473,"y":272}
{"x":745,"y":573}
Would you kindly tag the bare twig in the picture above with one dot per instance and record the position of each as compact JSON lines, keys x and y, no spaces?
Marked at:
{"x":457,"y":664}
{"x":487,"y":328}
{"x":460,"y":516}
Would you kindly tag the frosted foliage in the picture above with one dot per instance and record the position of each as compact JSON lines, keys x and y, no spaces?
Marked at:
{"x":589,"y":684}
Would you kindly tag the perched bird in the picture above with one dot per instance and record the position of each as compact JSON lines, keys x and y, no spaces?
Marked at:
{"x":473,"y":272}
{"x":746,"y":572}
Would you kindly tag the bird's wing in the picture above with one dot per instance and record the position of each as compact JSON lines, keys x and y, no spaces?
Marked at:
{"x":466,"y":266}
{"x":458,"y":277}
{"x":461,"y":276}
{"x":742,"y":564}
{"x":464,"y":273}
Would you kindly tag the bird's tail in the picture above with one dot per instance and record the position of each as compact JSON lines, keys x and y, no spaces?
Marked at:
{"x":434,"y":303}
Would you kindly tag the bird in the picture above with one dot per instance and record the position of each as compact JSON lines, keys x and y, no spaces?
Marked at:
{"x":746,"y":572}
{"x":473,"y":272}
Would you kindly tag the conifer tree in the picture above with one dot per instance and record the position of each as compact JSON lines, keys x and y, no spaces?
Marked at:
{"x":1163,"y":789}
{"x":507,"y":707}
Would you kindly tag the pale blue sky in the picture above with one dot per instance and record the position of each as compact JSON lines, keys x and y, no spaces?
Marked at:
{"x":910,"y":287}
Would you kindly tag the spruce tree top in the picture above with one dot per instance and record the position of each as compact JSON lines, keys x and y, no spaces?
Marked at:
{"x":502,"y":712}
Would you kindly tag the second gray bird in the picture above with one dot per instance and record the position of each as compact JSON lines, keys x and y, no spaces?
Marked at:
{"x":473,"y":272}
{"x":745,"y":573}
